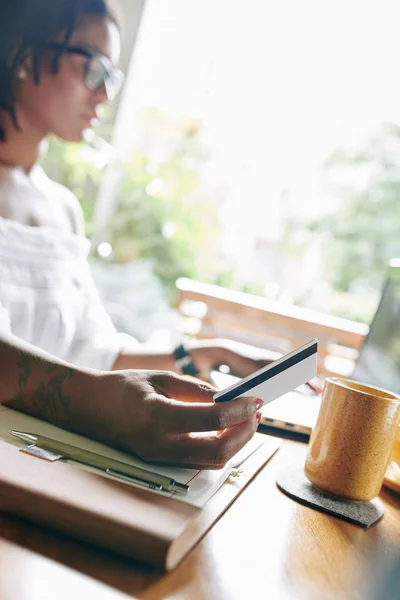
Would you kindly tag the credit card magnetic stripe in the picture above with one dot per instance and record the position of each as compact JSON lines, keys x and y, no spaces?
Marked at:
{"x":267,"y":373}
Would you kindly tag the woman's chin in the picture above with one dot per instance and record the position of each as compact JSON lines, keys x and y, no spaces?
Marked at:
{"x":72,"y":136}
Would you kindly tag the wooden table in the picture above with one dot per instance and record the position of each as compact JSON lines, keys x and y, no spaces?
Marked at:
{"x":265,"y":546}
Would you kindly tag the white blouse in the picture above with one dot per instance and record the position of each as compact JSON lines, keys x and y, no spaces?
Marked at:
{"x":47,"y":295}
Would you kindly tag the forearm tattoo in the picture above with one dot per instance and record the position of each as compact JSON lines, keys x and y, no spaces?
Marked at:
{"x":49,"y":400}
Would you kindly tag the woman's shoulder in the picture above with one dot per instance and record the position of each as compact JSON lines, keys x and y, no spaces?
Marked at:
{"x":34,"y":199}
{"x":68,"y":202}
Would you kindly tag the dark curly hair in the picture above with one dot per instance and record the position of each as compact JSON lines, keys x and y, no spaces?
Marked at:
{"x":27,"y":27}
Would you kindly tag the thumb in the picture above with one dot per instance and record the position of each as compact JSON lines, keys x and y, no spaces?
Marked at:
{"x":184,"y":389}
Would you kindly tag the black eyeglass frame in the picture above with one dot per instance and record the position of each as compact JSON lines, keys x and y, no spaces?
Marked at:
{"x":112,"y":74}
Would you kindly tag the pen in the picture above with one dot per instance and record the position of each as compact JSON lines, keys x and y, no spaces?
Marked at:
{"x":144,"y":477}
{"x":146,"y":484}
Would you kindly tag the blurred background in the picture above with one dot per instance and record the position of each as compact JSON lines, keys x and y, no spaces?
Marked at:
{"x":256,"y":147}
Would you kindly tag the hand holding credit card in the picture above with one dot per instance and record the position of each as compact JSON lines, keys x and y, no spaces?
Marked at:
{"x":278,"y":378}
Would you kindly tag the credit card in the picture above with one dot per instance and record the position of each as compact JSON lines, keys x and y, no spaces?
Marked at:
{"x":277,"y":378}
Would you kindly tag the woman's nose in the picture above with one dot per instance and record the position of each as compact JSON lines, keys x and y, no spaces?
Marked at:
{"x":103,"y":95}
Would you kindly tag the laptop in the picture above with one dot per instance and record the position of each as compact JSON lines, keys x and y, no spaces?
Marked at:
{"x":378,"y":364}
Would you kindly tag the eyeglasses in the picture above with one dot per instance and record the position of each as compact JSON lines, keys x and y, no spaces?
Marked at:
{"x":99,"y":70}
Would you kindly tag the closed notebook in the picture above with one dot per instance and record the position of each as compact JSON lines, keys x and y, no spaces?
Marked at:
{"x":153,"y":527}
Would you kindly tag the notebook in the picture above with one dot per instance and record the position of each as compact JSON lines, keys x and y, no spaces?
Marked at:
{"x":134,"y":522}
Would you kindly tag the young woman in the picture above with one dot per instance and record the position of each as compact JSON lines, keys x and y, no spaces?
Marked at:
{"x":60,"y":357}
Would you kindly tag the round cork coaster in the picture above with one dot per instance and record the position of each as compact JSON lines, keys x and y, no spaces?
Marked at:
{"x":295,"y":484}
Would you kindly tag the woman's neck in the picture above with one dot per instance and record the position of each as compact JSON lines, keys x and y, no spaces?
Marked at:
{"x":22,"y":147}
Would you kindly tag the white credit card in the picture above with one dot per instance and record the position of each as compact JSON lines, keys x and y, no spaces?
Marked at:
{"x":277,"y":378}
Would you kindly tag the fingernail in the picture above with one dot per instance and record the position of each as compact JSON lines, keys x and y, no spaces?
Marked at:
{"x":258,"y":417}
{"x":259,"y":403}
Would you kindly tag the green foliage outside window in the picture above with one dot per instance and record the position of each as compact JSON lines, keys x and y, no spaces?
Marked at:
{"x":161,"y":217}
{"x":365,"y":231}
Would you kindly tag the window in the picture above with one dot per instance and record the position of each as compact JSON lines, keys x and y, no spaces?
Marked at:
{"x":257,"y":147}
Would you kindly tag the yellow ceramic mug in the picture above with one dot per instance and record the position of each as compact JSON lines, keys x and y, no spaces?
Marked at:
{"x":351,"y":443}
